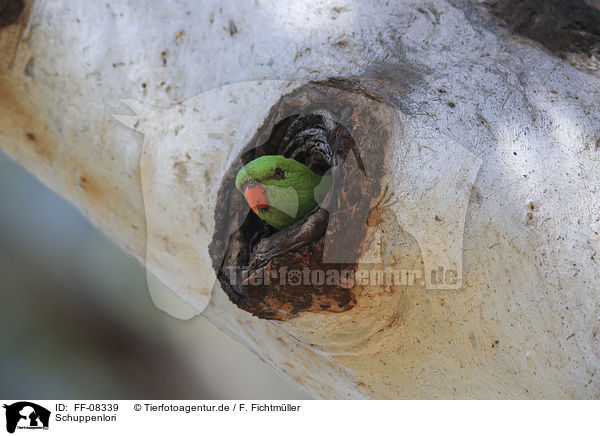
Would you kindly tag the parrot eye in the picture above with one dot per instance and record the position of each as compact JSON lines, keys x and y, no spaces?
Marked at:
{"x":278,"y":175}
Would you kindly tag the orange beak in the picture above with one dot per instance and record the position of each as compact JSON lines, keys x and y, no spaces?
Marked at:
{"x":256,"y":197}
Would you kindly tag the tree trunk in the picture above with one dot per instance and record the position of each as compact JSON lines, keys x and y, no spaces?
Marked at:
{"x":464,"y":142}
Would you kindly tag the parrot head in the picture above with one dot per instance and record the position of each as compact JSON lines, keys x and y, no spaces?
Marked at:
{"x":281,"y":190}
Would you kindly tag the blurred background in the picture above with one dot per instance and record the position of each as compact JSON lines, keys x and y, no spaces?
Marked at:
{"x":77,"y":320}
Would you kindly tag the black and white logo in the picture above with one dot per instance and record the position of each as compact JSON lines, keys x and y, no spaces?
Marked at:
{"x":26,"y":415}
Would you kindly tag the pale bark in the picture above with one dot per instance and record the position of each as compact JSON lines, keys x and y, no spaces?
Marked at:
{"x":525,"y":322}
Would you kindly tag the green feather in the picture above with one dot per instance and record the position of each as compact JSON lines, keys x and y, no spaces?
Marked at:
{"x":290,"y":198}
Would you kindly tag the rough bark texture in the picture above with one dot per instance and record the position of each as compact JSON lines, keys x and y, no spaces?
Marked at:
{"x":338,"y":129}
{"x":482,"y":85}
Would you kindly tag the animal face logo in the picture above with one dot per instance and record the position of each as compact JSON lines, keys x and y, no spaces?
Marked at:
{"x":26,"y":415}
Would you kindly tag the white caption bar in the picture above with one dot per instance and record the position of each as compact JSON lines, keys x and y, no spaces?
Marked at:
{"x":27,"y":417}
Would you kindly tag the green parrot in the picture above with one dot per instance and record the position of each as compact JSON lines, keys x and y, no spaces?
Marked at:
{"x":280,"y":190}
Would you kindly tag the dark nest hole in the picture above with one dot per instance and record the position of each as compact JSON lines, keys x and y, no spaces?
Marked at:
{"x":269,"y":273}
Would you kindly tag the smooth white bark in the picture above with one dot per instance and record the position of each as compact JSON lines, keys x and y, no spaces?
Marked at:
{"x":525,"y":323}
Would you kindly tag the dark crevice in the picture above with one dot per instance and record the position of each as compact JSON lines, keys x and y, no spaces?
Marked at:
{"x":10,"y":11}
{"x":564,"y":27}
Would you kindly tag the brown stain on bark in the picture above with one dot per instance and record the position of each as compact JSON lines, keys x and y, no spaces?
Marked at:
{"x":20,"y":127}
{"x":91,"y":187}
{"x":181,"y":172}
{"x":29,"y":140}
{"x":39,"y":147}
